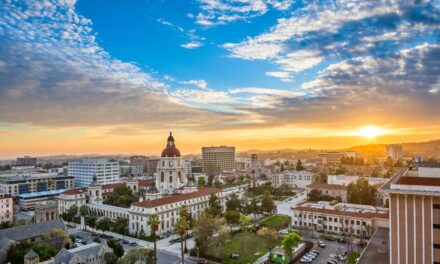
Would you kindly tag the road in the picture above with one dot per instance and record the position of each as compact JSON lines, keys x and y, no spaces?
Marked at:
{"x":163,"y":257}
{"x":285,"y":206}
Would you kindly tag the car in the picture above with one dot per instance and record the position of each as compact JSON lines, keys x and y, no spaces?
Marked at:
{"x":305,"y":259}
{"x":133,"y":244}
{"x":342,"y":240}
{"x":314,"y":236}
{"x":283,"y":232}
{"x":125,"y":242}
{"x":321,"y":244}
{"x":315,"y":251}
{"x":234,"y":256}
{"x":84,"y":242}
{"x":311,"y":256}
{"x":78,"y":236}
{"x":78,"y":240}
{"x":331,"y":262}
{"x":342,"y":258}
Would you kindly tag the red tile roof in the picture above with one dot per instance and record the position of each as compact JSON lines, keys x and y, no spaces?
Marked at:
{"x":203,"y":191}
{"x":427,"y":181}
{"x":144,"y":182}
{"x":342,"y":213}
{"x":317,"y":185}
{"x":113,"y":185}
{"x":74,"y":191}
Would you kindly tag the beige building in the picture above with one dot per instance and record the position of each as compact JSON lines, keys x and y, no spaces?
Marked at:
{"x":335,"y":190}
{"x":394,"y":151}
{"x":6,"y":209}
{"x":218,"y":158}
{"x":46,"y":211}
{"x":332,"y":158}
{"x":296,"y":179}
{"x":68,"y":198}
{"x":414,"y":218}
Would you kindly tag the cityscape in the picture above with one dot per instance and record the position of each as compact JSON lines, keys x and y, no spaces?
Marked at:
{"x":219,"y":131}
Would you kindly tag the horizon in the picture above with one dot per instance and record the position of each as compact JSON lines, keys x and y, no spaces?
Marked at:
{"x":78,"y":76}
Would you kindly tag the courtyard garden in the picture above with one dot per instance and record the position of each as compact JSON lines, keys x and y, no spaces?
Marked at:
{"x":277,"y":222}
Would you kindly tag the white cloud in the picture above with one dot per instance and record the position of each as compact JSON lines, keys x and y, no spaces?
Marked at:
{"x":192,"y":45}
{"x":282,"y":75}
{"x":299,"y":60}
{"x":202,"y":96}
{"x":253,"y":50}
{"x":202,"y":84}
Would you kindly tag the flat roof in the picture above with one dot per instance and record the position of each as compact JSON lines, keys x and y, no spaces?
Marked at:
{"x":39,"y":194}
{"x":378,"y":248}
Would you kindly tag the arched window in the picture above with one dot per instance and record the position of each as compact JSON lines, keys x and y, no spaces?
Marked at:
{"x":179,"y":174}
{"x":162,"y":177}
{"x":163,"y":163}
{"x":171,"y":178}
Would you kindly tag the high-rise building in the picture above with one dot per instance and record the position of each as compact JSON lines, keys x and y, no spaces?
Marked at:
{"x":84,"y":170}
{"x":254,"y":160}
{"x":414,"y":203}
{"x":394,"y":151}
{"x":152,"y":163}
{"x":26,"y":161}
{"x":218,"y":158}
{"x":187,"y":169}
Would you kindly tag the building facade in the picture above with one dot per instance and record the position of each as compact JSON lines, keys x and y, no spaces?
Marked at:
{"x":68,"y":198}
{"x":26,"y":161}
{"x":332,"y":158}
{"x":218,"y":158}
{"x":6,"y":209}
{"x":295,"y":179}
{"x":27,"y":201}
{"x":334,"y":190}
{"x":46,"y":211}
{"x":37,"y":182}
{"x":395,"y":151}
{"x":414,"y":203}
{"x":85,"y":169}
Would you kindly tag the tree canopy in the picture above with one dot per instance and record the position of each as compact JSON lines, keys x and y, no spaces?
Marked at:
{"x":117,"y":247}
{"x":122,"y":196}
{"x":289,"y":242}
{"x":361,"y":192}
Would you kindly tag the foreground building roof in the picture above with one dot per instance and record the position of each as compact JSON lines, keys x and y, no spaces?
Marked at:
{"x":24,"y":232}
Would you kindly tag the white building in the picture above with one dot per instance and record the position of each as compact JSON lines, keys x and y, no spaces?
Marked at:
{"x":84,"y":170}
{"x":18,"y":183}
{"x":6,"y":209}
{"x":168,"y":209}
{"x":340,"y":218}
{"x":347,"y":179}
{"x":187,"y":171}
{"x":296,"y":179}
{"x":68,"y":198}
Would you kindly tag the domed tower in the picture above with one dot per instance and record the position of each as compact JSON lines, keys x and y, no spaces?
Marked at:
{"x":170,"y":175}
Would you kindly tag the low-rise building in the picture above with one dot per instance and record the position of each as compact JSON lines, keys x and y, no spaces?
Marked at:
{"x":334,"y":190}
{"x":340,"y":218}
{"x":168,"y":209}
{"x":296,"y":179}
{"x":6,"y":209}
{"x":68,"y":198}
{"x":332,"y":158}
{"x":35,"y":182}
{"x":347,"y":179}
{"x":46,"y":211}
{"x":27,"y":201}
{"x":110,"y":211}
{"x":92,"y":253}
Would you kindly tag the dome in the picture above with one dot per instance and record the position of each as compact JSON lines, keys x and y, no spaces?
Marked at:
{"x":170,"y":150}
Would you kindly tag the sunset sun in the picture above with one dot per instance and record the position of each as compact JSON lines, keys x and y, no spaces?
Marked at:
{"x":371,"y":131}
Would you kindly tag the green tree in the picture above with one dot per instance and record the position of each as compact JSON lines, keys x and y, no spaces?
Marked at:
{"x":314,"y":195}
{"x":104,"y":224}
{"x":299,"y":166}
{"x":204,"y":229}
{"x":138,"y":255}
{"x":233,"y":203}
{"x":185,"y":212}
{"x":215,"y":207}
{"x":267,"y":205}
{"x":211,"y":171}
{"x":122,"y":196}
{"x":83,"y":210}
{"x":70,"y":213}
{"x":121,"y":226}
{"x":17,"y":251}
{"x":361,"y":192}
{"x":289,"y":242}
{"x":154,"y":222}
{"x":91,"y":220}
{"x":202,"y":181}
{"x":270,"y":237}
{"x":232,"y":218}
{"x":117,"y":247}
{"x":181,"y":228}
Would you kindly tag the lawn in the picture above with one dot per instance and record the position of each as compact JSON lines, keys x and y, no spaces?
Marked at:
{"x":353,"y":256}
{"x":245,"y":244}
{"x":277,"y":221}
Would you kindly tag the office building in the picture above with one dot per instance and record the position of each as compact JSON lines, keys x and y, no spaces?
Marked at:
{"x":28,"y":201}
{"x":35,"y":182}
{"x":84,"y":170}
{"x":394,"y":151}
{"x":414,"y":203}
{"x":218,"y":158}
{"x":333,"y":158}
{"x":242,"y":165}
{"x":187,"y":169}
{"x":6,"y":209}
{"x":295,"y":179}
{"x":152,"y":163}
{"x":26,"y":161}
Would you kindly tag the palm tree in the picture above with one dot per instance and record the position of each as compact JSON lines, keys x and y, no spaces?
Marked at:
{"x":181,"y":229}
{"x":154,"y":222}
{"x":185,"y":212}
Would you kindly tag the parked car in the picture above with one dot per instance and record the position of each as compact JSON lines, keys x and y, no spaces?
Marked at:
{"x":234,"y":256}
{"x":315,"y":251}
{"x":329,"y":238}
{"x":314,"y":236}
{"x":133,"y":244}
{"x":78,"y":240}
{"x":331,"y":262}
{"x":125,"y":242}
{"x":321,"y":244}
{"x":305,"y":259}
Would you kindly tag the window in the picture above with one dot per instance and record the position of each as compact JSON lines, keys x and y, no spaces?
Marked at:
{"x":436,"y":206}
{"x":436,"y":245}
{"x":171,"y":178}
{"x":162,"y":177}
{"x":436,"y":226}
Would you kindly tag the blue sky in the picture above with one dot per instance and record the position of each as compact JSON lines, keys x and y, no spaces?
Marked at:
{"x":207,"y":65}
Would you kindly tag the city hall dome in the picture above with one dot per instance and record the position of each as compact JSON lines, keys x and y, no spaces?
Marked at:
{"x":170,"y":150}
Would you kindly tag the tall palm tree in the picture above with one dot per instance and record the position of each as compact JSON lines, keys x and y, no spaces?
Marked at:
{"x":185,"y":211}
{"x":154,"y":223}
{"x":181,"y":229}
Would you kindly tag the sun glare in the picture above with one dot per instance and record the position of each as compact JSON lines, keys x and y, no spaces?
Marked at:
{"x":371,"y":131}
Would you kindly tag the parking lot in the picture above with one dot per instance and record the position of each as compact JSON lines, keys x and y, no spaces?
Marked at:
{"x":332,"y":248}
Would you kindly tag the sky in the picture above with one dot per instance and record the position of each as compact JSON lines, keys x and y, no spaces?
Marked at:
{"x":104,"y":76}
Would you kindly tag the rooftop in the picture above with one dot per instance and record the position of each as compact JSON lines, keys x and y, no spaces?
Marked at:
{"x":317,"y":185}
{"x":406,"y":181}
{"x":344,"y":209}
{"x":74,"y":191}
{"x":378,"y":248}
{"x":202,"y":191}
{"x":23,"y":232}
{"x":39,"y":194}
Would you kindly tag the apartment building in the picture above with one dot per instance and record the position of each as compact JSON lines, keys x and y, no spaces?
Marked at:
{"x":85,"y":169}
{"x":296,"y":179}
{"x":35,"y":182}
{"x":6,"y":209}
{"x":414,"y":203}
{"x":218,"y":158}
{"x":340,"y":218}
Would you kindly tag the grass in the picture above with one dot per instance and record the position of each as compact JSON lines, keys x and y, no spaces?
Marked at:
{"x":245,"y":244}
{"x":352,"y":258}
{"x":277,"y":221}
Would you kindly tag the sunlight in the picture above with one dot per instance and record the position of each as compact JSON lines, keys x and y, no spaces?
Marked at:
{"x":371,"y":131}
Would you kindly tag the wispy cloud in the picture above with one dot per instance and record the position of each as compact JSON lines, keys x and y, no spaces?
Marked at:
{"x":192,"y":45}
{"x":202,"y":84}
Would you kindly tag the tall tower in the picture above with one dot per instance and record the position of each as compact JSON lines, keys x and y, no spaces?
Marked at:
{"x":170,"y":176}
